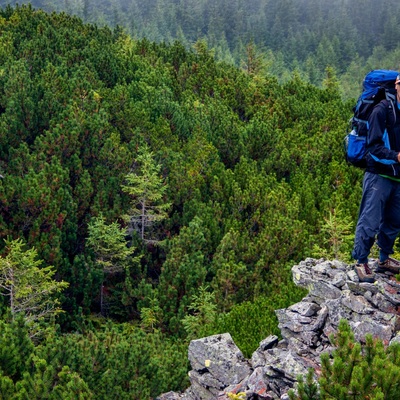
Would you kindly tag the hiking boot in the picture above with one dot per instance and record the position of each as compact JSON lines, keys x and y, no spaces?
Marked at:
{"x":390,"y":265}
{"x":364,"y":273}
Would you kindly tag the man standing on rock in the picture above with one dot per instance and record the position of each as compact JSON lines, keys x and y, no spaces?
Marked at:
{"x":379,"y":214}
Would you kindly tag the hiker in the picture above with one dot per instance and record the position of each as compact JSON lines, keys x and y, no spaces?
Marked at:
{"x":379,"y":213}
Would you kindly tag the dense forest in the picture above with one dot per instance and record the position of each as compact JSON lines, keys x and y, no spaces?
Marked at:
{"x":351,"y":36}
{"x":151,"y":194}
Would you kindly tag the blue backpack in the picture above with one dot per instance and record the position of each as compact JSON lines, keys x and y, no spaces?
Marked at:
{"x":378,"y":85}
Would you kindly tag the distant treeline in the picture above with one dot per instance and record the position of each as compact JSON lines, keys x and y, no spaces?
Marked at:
{"x":308,"y":35}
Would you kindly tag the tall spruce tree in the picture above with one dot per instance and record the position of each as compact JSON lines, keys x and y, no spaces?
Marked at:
{"x":145,"y":186}
{"x":30,"y":289}
{"x":112,"y":253}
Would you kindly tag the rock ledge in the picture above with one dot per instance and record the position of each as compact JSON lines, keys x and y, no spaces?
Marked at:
{"x":219,"y":368}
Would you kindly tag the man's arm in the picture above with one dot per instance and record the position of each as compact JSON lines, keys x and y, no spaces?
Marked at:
{"x":378,"y":140}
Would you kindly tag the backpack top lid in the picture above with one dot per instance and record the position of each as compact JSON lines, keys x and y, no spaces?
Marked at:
{"x":376,"y":79}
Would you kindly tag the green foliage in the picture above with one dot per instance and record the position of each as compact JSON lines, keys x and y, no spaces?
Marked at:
{"x":31,"y":290}
{"x":109,"y":244}
{"x":295,"y":34}
{"x":225,"y":174}
{"x":24,"y":375}
{"x":230,"y":272}
{"x":124,"y":359}
{"x":146,"y":189}
{"x":151,"y":316}
{"x":200,"y":323}
{"x":182,"y":274}
{"x":112,"y":253}
{"x":355,"y":370}
{"x":337,"y":236}
{"x":306,"y":390}
{"x":16,"y":347}
{"x":42,"y":382}
{"x":251,"y":322}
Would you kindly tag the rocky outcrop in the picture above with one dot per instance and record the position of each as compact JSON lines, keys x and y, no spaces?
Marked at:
{"x":334,"y":293}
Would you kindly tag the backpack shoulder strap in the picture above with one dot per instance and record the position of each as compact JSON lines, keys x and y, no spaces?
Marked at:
{"x":389,"y":107}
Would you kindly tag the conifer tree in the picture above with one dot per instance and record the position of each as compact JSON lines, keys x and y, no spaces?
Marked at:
{"x":337,"y":235}
{"x":254,"y":63}
{"x":15,"y":348}
{"x":355,"y":370}
{"x":110,"y":247}
{"x":109,"y":244}
{"x":30,"y":288}
{"x":203,"y":314}
{"x":230,"y":271}
{"x":183,"y":272}
{"x":151,"y":316}
{"x":146,"y":188}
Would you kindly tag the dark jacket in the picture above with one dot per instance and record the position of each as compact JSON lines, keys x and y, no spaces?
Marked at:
{"x":384,"y":139}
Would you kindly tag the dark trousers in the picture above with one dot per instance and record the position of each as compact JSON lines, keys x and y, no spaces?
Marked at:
{"x":379,"y":216}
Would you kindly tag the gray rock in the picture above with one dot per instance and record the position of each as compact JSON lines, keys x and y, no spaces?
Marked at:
{"x":258,"y":382}
{"x":170,"y":396}
{"x":219,"y":356}
{"x":358,"y":304}
{"x":306,"y":309}
{"x":268,"y":343}
{"x":283,"y":364}
{"x":205,"y":386}
{"x":396,"y":339}
{"x":335,"y":293}
{"x":216,"y":364}
{"x":369,"y":326}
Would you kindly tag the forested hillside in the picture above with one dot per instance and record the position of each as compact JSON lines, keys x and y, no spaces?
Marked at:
{"x":151,"y":195}
{"x":351,"y":36}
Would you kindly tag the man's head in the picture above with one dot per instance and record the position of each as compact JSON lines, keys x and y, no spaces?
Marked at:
{"x":397,"y":87}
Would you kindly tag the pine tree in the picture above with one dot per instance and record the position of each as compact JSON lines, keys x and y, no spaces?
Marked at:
{"x":15,"y":348}
{"x":355,"y":370}
{"x":182,"y":274}
{"x":203,"y":315}
{"x":254,"y":61}
{"x":146,"y":189}
{"x":337,"y":235}
{"x":230,"y":272}
{"x":110,"y":247}
{"x":29,"y":287}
